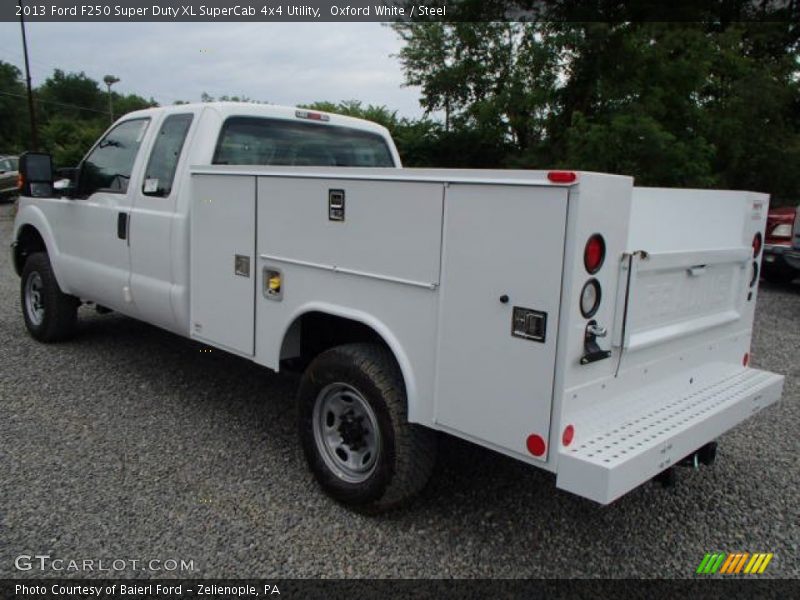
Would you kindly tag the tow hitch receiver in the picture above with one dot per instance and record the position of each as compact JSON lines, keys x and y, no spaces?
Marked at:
{"x":707,"y":455}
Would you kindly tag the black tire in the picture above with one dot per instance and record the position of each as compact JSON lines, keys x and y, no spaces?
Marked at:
{"x":60,"y":311}
{"x":407,"y":452}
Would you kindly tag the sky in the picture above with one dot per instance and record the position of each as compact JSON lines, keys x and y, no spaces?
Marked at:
{"x":281,"y":63}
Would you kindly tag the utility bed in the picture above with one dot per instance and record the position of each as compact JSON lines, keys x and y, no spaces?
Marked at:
{"x":445,"y":259}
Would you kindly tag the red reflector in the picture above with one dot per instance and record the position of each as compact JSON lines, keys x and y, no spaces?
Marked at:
{"x":746,"y":359}
{"x":536,"y":445}
{"x":594,"y":254}
{"x":568,"y":435}
{"x":756,"y":244}
{"x":562,"y":176}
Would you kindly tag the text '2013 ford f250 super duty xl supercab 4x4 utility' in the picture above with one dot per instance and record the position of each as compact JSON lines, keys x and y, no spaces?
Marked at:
{"x":570,"y":320}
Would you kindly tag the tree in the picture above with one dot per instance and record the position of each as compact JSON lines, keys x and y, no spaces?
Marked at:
{"x":354,"y":108}
{"x":73,"y":113}
{"x":709,"y":101}
{"x":14,"y":128}
{"x":633,"y":108}
{"x":71,"y":95}
{"x":68,"y":139}
{"x":498,"y":78}
{"x":753,"y":103}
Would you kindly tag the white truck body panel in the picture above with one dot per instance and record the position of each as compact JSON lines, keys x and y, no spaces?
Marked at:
{"x":499,"y":240}
{"x":223,"y":300}
{"x":436,"y":262}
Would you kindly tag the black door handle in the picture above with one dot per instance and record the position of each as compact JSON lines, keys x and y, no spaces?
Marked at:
{"x":122,"y":225}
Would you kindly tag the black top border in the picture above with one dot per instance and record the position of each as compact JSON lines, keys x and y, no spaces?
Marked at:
{"x":134,"y":11}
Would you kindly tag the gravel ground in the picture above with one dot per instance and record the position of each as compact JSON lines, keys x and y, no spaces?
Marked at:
{"x":129,"y":442}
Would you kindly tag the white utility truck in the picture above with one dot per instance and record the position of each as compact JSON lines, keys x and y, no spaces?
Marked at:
{"x":567,"y":319}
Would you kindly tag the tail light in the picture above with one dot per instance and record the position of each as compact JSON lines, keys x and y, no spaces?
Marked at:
{"x":756,"y":244}
{"x":562,"y":176}
{"x":784,"y":230}
{"x":594,"y":254}
{"x":20,"y":182}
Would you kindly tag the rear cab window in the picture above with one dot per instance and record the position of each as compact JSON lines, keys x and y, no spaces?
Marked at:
{"x":266,"y":141}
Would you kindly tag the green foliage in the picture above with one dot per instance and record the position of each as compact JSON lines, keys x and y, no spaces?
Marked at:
{"x":72,"y":96}
{"x":13,"y":110}
{"x":711,"y":102}
{"x":68,"y":139}
{"x":71,"y":113}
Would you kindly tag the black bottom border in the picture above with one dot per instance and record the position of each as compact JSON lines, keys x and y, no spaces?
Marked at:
{"x":387,"y":589}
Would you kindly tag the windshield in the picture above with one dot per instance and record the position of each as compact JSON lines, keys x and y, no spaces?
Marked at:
{"x":258,"y":141}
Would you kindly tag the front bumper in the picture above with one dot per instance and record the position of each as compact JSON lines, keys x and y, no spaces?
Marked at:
{"x":659,"y":429}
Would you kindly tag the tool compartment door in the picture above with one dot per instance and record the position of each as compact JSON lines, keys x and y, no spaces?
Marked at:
{"x":499,"y":241}
{"x":222,"y":255}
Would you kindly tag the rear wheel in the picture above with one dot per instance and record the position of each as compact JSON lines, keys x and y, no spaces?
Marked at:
{"x":355,"y":432}
{"x":50,"y":314}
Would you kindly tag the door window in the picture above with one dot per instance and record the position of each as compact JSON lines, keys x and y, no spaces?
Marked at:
{"x":108,"y":167}
{"x":160,"y":171}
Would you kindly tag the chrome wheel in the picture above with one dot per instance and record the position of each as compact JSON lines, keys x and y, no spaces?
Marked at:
{"x":346,"y":432}
{"x":34,"y":301}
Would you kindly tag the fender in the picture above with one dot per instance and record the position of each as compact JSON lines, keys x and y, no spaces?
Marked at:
{"x":400,"y":355}
{"x":30,"y":214}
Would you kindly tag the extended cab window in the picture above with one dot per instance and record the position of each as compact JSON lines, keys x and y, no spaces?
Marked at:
{"x":108,"y":167}
{"x":258,"y":141}
{"x":160,"y":171}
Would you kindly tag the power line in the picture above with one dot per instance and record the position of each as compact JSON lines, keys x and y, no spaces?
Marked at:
{"x":102,"y":112}
{"x":70,"y":69}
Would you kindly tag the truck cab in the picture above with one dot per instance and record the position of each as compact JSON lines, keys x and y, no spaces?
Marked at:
{"x":122,"y":235}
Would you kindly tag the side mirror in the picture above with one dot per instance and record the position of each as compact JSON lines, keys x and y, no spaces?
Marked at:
{"x":66,"y":180}
{"x":36,"y":174}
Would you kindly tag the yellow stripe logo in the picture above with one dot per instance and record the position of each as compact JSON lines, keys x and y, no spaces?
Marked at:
{"x":735,"y":563}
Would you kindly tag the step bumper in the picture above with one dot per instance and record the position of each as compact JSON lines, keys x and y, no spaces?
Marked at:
{"x":623,"y":455}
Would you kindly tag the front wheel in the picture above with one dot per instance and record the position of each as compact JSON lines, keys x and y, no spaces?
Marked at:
{"x":50,"y":314}
{"x":355,"y":432}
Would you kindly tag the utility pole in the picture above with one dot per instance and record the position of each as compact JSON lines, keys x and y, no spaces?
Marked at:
{"x":31,"y":111}
{"x":110,"y":80}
